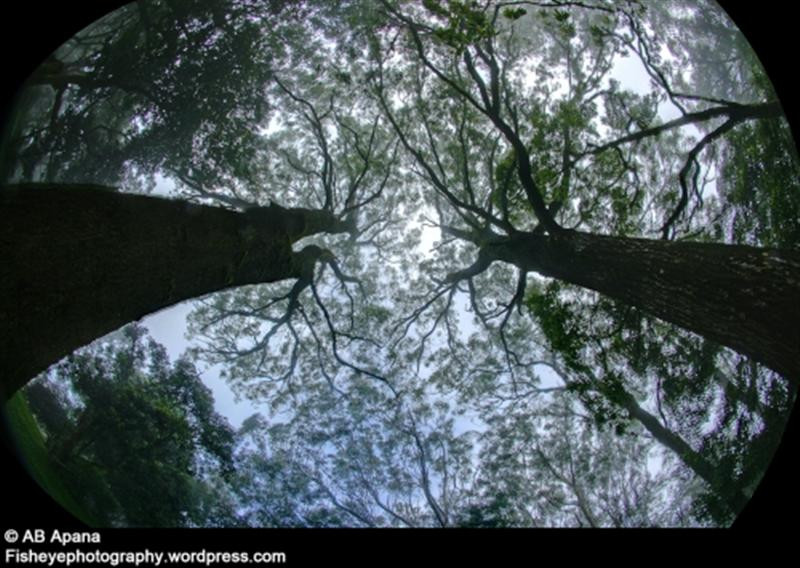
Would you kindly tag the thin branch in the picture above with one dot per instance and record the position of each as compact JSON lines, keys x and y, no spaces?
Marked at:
{"x":328,"y":172}
{"x":440,"y":515}
{"x":197,"y":187}
{"x":742,"y":112}
{"x":333,"y":335}
{"x":667,"y":229}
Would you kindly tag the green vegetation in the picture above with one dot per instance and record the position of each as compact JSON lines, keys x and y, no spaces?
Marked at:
{"x":140,"y":441}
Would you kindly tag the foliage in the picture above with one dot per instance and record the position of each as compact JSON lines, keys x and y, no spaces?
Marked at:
{"x":763,"y":195}
{"x":142,"y":436}
{"x":554,"y":475}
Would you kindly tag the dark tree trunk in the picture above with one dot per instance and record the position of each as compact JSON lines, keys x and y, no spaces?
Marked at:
{"x":48,"y":409}
{"x":718,"y":480}
{"x":67,"y":445}
{"x":742,"y":297}
{"x":79,"y":262}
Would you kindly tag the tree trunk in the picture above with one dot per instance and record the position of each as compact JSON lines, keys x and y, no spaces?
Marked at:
{"x":742,"y":297}
{"x":692,"y":459}
{"x":64,"y":448}
{"x":79,"y":262}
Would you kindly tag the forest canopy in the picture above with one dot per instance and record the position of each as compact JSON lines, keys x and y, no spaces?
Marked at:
{"x":531,"y":263}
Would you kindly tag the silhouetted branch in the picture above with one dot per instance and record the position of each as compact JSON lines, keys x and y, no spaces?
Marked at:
{"x":740,"y":112}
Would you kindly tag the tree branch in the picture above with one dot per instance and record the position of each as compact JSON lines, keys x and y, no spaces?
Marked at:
{"x":739,"y":112}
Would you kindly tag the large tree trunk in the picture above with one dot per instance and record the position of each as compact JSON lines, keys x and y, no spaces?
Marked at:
{"x":79,"y":262}
{"x":742,"y":297}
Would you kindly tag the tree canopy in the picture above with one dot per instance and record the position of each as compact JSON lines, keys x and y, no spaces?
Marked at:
{"x":547,"y":264}
{"x":140,"y":443}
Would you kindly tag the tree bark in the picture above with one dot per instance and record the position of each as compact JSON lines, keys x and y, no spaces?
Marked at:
{"x":745,"y":298}
{"x":79,"y":262}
